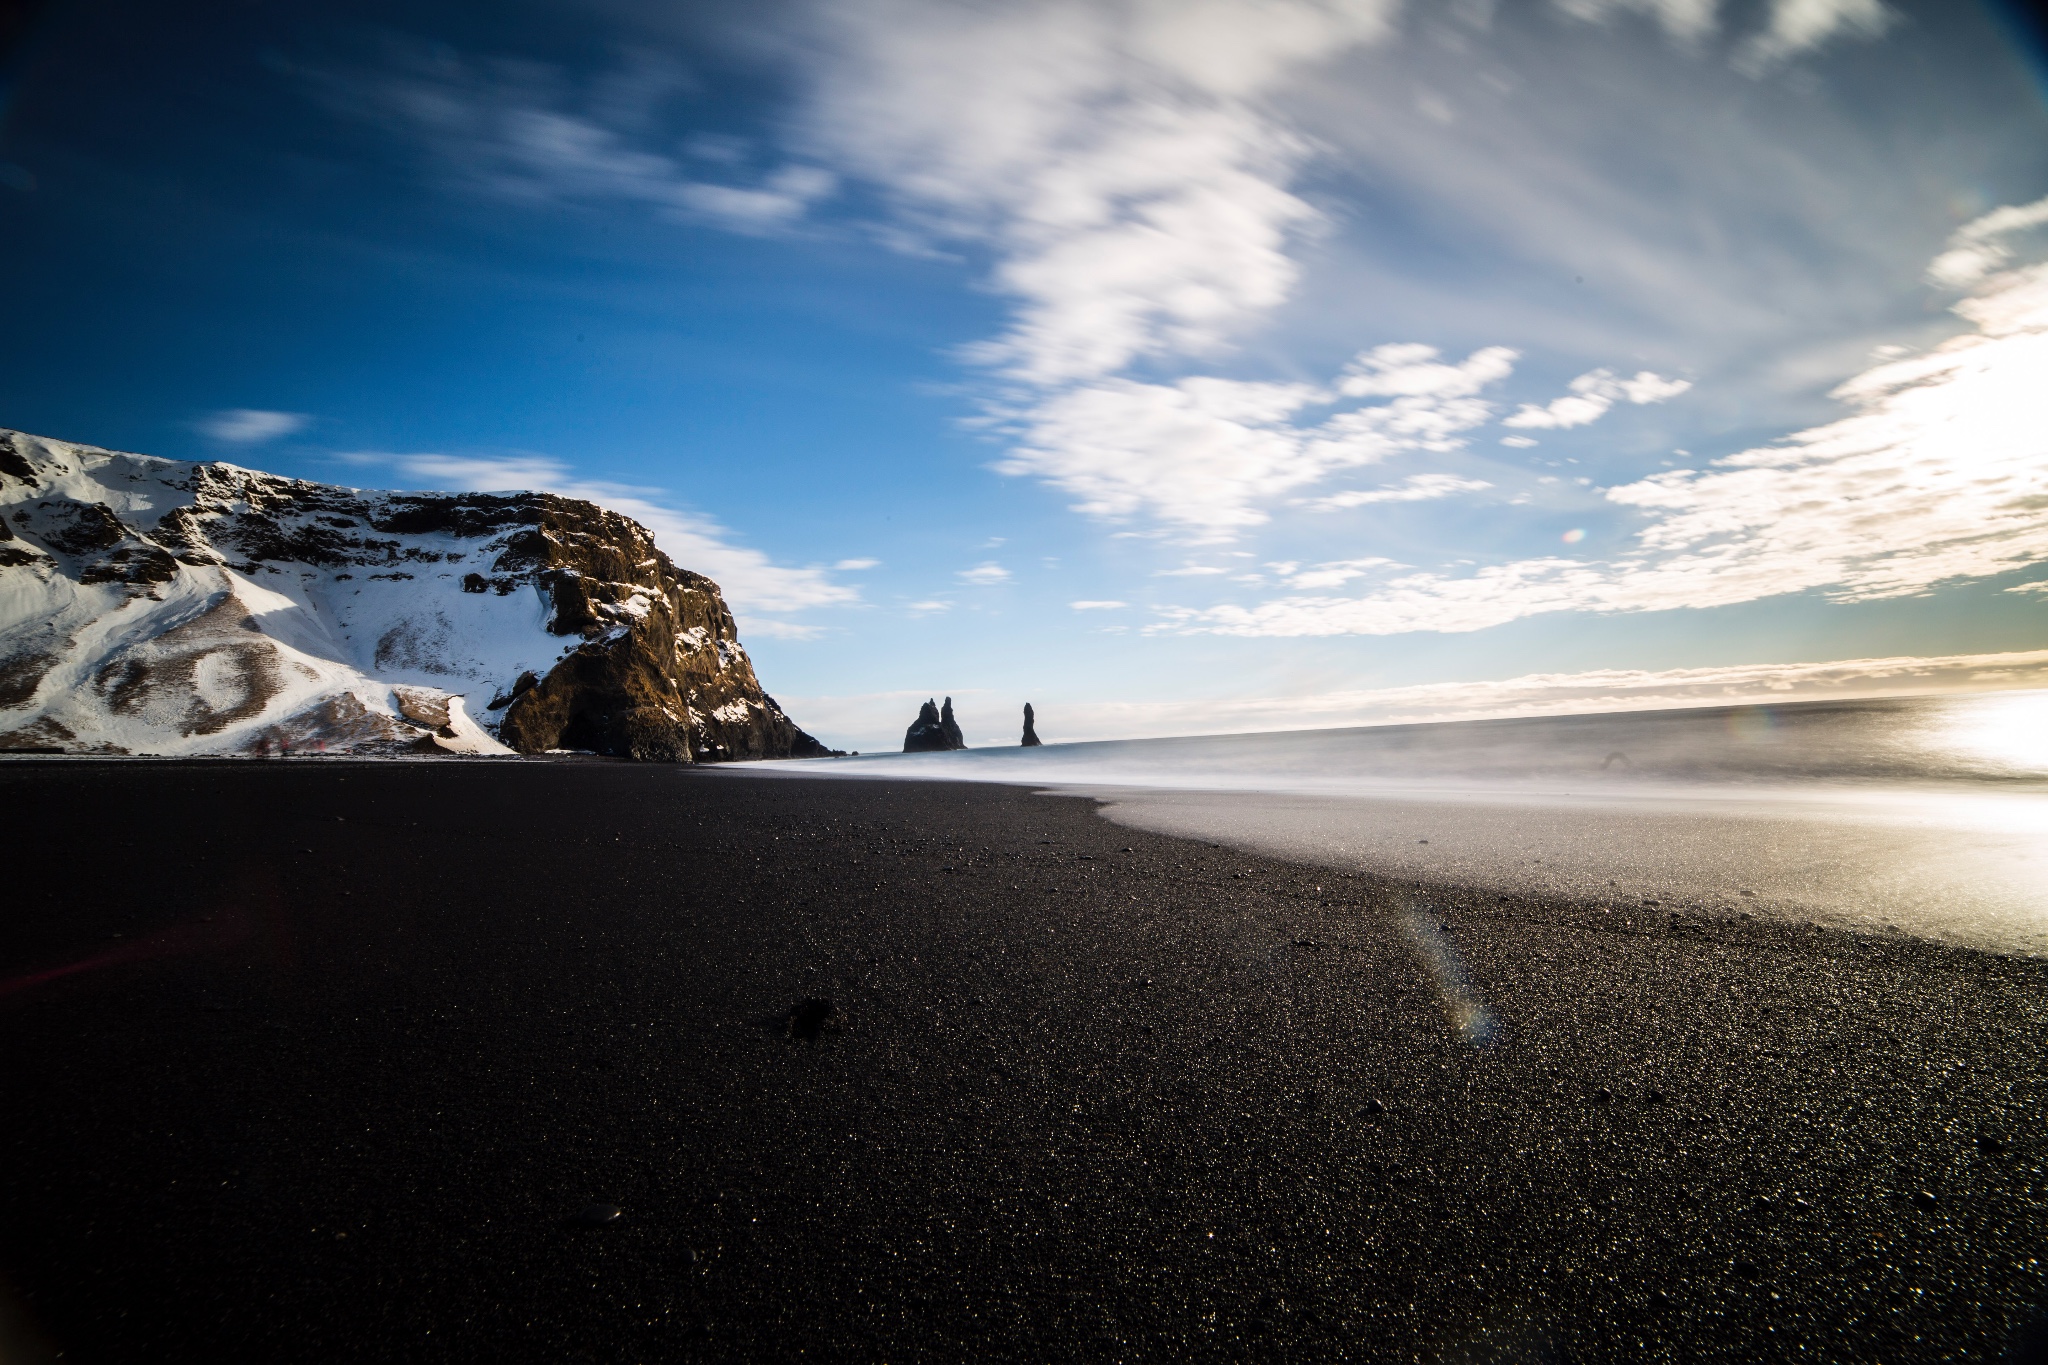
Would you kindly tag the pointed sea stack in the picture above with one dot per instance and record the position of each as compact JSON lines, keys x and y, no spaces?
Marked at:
{"x":934,"y":731}
{"x":1031,"y":740}
{"x":926,"y":735}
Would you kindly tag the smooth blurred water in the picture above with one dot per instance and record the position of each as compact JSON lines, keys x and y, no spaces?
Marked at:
{"x":1924,"y":815}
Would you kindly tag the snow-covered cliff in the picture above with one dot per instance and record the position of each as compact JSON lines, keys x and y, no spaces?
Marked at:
{"x":153,"y":606}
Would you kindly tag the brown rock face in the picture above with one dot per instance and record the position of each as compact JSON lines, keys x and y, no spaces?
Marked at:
{"x":660,"y":674}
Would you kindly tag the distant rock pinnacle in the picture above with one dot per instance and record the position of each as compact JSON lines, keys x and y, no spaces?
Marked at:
{"x":1031,"y":740}
{"x":934,"y":730}
{"x":927,"y":734}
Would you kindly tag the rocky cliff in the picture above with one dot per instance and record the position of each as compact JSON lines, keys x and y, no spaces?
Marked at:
{"x":156,"y":606}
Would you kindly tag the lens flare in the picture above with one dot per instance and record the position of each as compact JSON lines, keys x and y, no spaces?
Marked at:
{"x":1752,"y":724}
{"x":1462,"y":1008}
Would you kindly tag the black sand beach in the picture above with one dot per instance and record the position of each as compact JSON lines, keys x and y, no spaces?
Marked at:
{"x":329,"y":1061}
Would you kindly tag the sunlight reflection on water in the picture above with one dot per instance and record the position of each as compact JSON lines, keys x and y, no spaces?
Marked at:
{"x":1927,"y":815}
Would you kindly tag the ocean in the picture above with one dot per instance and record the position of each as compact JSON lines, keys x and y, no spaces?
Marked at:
{"x":1920,"y":815}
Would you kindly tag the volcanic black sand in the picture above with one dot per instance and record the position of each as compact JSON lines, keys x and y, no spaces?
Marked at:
{"x":343,"y":1061}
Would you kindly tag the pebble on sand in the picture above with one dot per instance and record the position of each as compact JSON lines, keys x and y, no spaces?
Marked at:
{"x":807,"y":1017}
{"x":595,"y":1215}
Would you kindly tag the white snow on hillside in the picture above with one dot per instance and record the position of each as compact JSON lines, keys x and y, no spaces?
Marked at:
{"x":109,"y":643}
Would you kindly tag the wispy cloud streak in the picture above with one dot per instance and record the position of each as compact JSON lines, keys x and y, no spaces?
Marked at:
{"x":518,"y":130}
{"x":251,"y":426}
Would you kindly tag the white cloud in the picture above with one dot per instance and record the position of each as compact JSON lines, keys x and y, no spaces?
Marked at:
{"x":1190,"y":571}
{"x":1123,"y":162}
{"x":776,"y":629}
{"x":1415,"y":488}
{"x":1334,"y":573}
{"x":1098,"y":606}
{"x":1519,"y":442}
{"x":984,"y":575}
{"x":1412,"y":370}
{"x":515,"y":130}
{"x":1205,"y":453}
{"x":855,"y":565}
{"x":251,"y":426}
{"x":1592,"y":394}
{"x":753,"y":584}
{"x":1113,"y":154}
{"x":1978,"y":247}
{"x":927,"y":608}
{"x":1686,"y":20}
{"x":1936,"y":477}
{"x":1650,"y":388}
{"x":1799,"y":26}
{"x":1793,"y":27}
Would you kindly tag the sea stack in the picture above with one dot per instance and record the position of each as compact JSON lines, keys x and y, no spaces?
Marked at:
{"x":1031,"y":740}
{"x":934,"y":731}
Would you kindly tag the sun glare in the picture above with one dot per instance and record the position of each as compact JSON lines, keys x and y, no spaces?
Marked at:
{"x":2008,"y":729}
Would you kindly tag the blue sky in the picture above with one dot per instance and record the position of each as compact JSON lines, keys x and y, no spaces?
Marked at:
{"x":1211,"y":365}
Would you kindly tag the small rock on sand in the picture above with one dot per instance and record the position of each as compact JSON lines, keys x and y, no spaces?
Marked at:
{"x":807,"y":1017}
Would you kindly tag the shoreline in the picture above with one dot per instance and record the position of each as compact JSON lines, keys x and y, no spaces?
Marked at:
{"x":1119,"y":1093}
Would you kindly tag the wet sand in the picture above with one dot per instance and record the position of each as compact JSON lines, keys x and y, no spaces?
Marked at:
{"x":324,"y":1060}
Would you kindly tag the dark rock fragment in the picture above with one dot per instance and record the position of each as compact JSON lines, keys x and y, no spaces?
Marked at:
{"x":81,"y":528}
{"x":808,"y":1017}
{"x":1371,"y":1109}
{"x":520,"y":685}
{"x":14,"y":464}
{"x":595,"y":1216}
